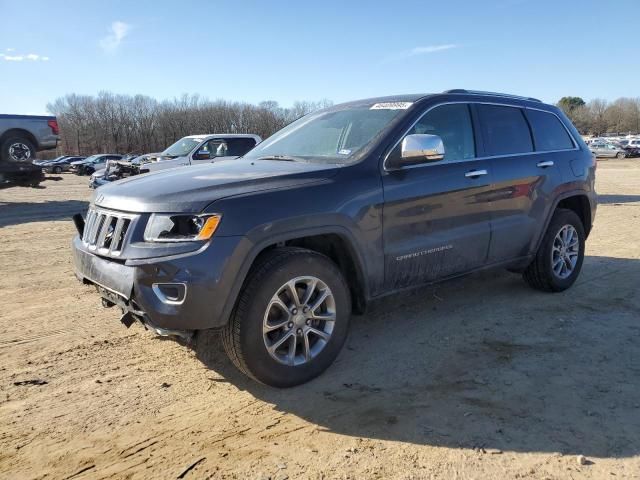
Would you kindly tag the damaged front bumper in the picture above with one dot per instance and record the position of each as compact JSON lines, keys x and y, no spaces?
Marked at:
{"x":172,"y":296}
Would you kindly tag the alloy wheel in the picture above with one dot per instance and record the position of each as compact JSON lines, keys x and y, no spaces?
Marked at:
{"x":565,"y":252}
{"x":19,"y":152}
{"x":299,"y":320}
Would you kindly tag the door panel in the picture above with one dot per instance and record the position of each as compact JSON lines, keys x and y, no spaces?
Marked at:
{"x":519,"y":201}
{"x":436,"y":222}
{"x":524,"y":180}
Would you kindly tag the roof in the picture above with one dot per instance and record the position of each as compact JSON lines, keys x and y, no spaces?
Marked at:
{"x":220,"y":135}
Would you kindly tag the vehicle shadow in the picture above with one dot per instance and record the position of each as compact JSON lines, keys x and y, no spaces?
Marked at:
{"x":17,"y":213}
{"x":483,"y":362}
{"x":609,"y":199}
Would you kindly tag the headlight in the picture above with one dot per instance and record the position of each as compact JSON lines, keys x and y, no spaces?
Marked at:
{"x":180,"y":227}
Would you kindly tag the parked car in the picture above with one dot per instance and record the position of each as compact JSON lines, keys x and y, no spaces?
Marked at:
{"x":90,"y":164}
{"x":343,"y":206}
{"x":41,"y":163}
{"x":61,"y":165}
{"x":197,"y":149}
{"x":23,"y":174}
{"x":21,"y":136}
{"x":117,"y":169}
{"x":602,"y":149}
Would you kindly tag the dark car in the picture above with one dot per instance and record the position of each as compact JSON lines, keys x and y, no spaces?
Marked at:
{"x":60,"y":165}
{"x":42,"y":163}
{"x":23,"y":174}
{"x":346,"y":205}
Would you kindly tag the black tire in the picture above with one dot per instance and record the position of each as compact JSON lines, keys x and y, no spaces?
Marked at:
{"x":57,"y":169}
{"x":620,"y":155}
{"x":540,"y":274}
{"x":17,"y":149}
{"x":243,"y":338}
{"x":88,"y":171}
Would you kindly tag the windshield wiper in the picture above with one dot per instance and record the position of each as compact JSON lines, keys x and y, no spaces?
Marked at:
{"x":284,"y":158}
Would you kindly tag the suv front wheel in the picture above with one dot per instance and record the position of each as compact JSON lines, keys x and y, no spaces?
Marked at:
{"x":558,"y":261}
{"x":291,"y":319}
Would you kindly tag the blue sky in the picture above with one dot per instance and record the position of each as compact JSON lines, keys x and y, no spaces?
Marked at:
{"x":294,"y":50}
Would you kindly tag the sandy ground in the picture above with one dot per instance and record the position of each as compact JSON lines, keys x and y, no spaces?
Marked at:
{"x":477,"y":378}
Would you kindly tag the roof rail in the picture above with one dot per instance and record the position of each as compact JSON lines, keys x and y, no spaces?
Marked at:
{"x":480,"y":92}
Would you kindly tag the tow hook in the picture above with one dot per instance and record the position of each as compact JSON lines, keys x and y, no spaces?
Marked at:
{"x":127,"y":319}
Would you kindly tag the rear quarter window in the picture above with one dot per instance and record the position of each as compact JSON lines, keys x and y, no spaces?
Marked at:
{"x":505,"y":130}
{"x":548,"y":132}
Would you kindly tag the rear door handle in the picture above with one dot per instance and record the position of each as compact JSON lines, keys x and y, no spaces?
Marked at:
{"x":475,"y":173}
{"x":548,"y":163}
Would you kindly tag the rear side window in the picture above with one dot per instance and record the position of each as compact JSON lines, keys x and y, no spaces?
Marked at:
{"x":548,"y":132}
{"x":452,"y":123}
{"x":505,"y":130}
{"x":239,"y":146}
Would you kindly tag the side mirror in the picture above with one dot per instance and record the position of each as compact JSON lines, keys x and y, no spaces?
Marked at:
{"x":201,"y":155}
{"x":416,"y":149}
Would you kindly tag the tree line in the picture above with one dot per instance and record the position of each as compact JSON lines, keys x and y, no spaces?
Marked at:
{"x":599,"y":116}
{"x":113,"y":123}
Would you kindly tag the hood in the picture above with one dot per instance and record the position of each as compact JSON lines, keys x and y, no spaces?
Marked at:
{"x":192,"y":188}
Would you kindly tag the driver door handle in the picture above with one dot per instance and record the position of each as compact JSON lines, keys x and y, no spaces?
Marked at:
{"x":475,"y":173}
{"x":548,"y":163}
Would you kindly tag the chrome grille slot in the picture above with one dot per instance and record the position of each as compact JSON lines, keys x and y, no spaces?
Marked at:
{"x":106,"y":231}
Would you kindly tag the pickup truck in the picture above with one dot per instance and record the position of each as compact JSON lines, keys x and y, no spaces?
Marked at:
{"x":190,"y":150}
{"x":198,"y":149}
{"x":21,"y":136}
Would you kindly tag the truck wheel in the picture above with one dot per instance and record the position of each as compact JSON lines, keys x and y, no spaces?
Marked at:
{"x":291,"y":319}
{"x":559,"y":259}
{"x":17,"y":149}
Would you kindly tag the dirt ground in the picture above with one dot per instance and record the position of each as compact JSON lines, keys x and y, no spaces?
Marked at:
{"x":480,"y":377}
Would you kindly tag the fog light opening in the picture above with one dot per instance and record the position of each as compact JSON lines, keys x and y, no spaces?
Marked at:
{"x":170,"y":293}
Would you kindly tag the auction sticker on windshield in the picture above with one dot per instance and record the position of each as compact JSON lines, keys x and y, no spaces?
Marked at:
{"x":391,"y":106}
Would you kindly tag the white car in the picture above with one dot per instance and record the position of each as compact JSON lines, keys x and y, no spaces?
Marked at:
{"x":197,"y":149}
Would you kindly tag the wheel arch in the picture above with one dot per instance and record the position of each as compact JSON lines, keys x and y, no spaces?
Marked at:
{"x":19,"y":132}
{"x":577,"y":201}
{"x":335,"y":242}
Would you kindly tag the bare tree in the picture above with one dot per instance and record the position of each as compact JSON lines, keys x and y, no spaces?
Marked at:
{"x":110,"y":123}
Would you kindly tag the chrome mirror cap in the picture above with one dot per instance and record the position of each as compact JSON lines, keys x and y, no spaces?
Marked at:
{"x":421,"y":147}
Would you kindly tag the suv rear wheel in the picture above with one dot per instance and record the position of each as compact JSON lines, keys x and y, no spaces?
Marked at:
{"x":291,"y":319}
{"x":559,"y":259}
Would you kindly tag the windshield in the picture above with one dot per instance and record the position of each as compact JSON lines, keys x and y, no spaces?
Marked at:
{"x":333,"y":136}
{"x":182,"y":147}
{"x":92,"y":158}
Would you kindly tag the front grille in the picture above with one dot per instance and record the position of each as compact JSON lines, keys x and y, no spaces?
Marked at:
{"x":105,"y":231}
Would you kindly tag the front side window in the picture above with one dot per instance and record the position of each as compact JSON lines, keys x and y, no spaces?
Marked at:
{"x":452,"y":123}
{"x":505,"y":130}
{"x":214,"y":148}
{"x":548,"y":132}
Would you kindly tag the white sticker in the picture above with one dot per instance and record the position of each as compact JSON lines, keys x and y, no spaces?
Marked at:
{"x":344,"y":151}
{"x":391,"y":106}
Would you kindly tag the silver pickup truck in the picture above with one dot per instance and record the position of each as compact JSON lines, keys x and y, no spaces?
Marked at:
{"x":21,"y":136}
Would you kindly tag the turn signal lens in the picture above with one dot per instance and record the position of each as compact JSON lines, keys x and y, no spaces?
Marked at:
{"x":209,"y":228}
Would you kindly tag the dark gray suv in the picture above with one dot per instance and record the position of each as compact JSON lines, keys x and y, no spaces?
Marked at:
{"x":342,"y":206}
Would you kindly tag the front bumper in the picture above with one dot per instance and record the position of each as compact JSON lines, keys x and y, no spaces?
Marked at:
{"x":208,"y":276}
